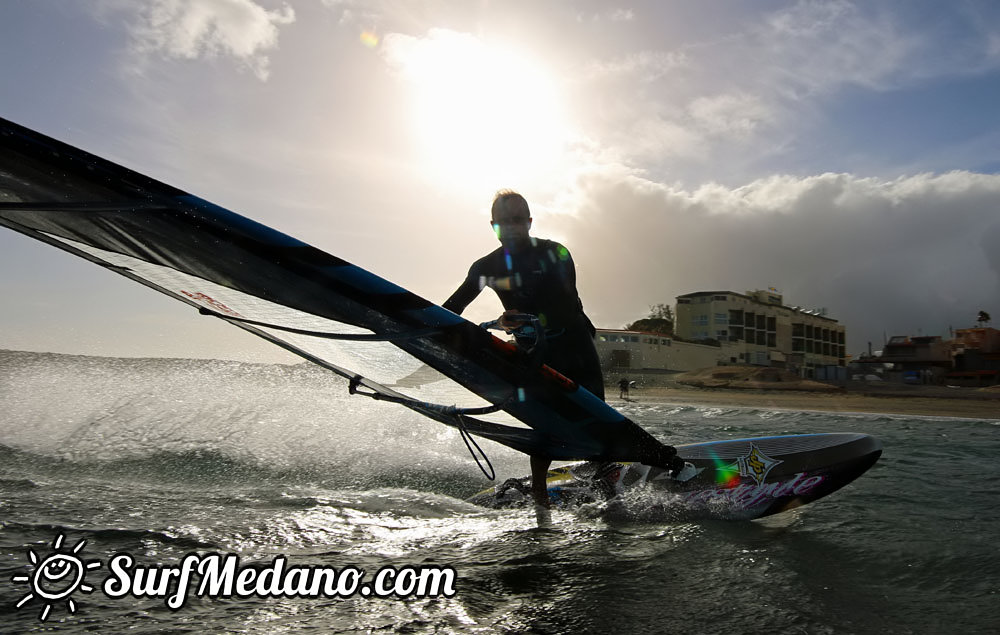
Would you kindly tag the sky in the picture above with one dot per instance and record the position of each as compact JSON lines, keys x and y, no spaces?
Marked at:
{"x":845,"y":153}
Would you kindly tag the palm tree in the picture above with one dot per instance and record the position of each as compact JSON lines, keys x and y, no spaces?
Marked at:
{"x":983,"y":319}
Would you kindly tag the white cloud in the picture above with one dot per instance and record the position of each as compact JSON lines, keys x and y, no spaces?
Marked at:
{"x":751,"y":94}
{"x":735,"y":115}
{"x":815,"y":47}
{"x":190,"y":29}
{"x":613,"y":15}
{"x":622,"y":15}
{"x":653,"y":138}
{"x":646,"y":66}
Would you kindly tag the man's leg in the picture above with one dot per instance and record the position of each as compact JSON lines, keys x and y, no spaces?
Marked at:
{"x":539,"y":472}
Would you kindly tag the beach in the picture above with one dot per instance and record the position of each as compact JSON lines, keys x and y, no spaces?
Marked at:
{"x":940,"y":401}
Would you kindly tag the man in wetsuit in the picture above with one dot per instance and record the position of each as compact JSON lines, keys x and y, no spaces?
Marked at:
{"x":537,"y":277}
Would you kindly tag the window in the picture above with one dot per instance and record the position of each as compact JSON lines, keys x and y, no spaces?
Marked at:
{"x":721,"y":318}
{"x":699,"y":320}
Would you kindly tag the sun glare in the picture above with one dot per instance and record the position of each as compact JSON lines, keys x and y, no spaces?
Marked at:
{"x":485,"y":115}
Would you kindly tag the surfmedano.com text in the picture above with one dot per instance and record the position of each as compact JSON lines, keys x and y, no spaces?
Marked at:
{"x":222,"y":576}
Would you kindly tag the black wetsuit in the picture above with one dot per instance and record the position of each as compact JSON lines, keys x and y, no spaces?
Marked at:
{"x":540,"y":279}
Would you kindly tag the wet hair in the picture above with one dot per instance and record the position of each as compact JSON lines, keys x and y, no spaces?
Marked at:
{"x":511,"y":202}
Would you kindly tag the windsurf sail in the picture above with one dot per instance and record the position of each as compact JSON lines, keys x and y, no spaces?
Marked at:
{"x":386,"y":341}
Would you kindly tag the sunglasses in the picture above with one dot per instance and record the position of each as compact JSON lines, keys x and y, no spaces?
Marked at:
{"x":520,"y":220}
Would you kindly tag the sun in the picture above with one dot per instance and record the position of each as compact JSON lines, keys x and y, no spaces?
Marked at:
{"x":484,"y":114}
{"x":56,"y":577}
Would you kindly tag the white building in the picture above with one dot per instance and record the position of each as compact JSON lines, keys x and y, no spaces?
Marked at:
{"x":757,"y":328}
{"x":638,"y":351}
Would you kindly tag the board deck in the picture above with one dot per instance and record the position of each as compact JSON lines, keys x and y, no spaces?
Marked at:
{"x":737,"y":479}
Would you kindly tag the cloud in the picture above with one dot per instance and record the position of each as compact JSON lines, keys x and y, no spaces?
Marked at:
{"x":190,"y":29}
{"x":361,"y":12}
{"x":815,"y":47}
{"x":612,"y":15}
{"x":750,"y":91}
{"x":733,"y":115}
{"x":897,"y":256}
{"x":645,"y":66}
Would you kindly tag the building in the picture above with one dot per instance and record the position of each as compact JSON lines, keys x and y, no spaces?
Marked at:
{"x":976,"y":357}
{"x":757,"y":328}
{"x":651,"y":352}
{"x":917,"y":359}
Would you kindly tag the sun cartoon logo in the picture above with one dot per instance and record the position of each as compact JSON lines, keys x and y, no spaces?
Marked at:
{"x":56,"y":577}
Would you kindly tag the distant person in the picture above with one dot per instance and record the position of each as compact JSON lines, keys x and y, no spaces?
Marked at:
{"x":623,"y":388}
{"x":537,"y":277}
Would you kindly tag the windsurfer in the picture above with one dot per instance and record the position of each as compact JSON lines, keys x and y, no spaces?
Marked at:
{"x":535,"y":276}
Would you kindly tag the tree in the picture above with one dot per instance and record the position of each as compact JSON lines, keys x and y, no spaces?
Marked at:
{"x":659,"y":320}
{"x":984,"y":318}
{"x":661,"y":312}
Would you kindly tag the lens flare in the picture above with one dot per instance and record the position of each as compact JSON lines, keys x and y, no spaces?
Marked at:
{"x":369,"y":39}
{"x":727,"y":474}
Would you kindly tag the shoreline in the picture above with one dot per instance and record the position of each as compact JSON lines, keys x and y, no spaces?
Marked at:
{"x":919,"y":400}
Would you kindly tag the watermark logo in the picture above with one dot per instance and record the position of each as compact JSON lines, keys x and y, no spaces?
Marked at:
{"x":56,"y":577}
{"x":62,"y":573}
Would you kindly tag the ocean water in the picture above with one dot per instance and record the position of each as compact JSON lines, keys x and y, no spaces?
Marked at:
{"x":166,"y":459}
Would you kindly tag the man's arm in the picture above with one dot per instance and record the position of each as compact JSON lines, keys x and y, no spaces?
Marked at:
{"x":465,"y":294}
{"x":568,"y":270}
{"x":568,"y":278}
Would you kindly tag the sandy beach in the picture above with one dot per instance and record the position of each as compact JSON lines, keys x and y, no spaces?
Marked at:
{"x":940,"y":401}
